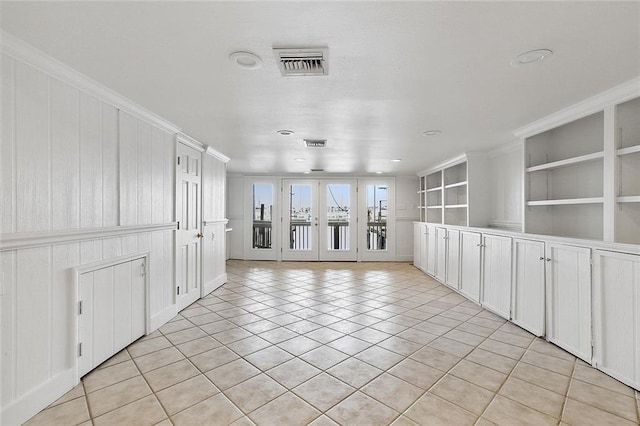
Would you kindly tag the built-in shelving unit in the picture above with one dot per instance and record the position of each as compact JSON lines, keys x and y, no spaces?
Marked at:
{"x":447,"y":191}
{"x":627,"y":214}
{"x":564,"y":179}
{"x":582,"y":169}
{"x":422,"y":198}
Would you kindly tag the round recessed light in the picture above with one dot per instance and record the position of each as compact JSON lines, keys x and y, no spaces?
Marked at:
{"x":285,"y":132}
{"x":307,"y":172}
{"x":396,"y":160}
{"x":378,"y":173}
{"x":299,"y":159}
{"x":431,"y":132}
{"x":246,"y":60}
{"x":530,"y":57}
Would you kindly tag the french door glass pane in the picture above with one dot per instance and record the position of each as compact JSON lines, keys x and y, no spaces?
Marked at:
{"x":300,"y":212}
{"x":338,"y":216}
{"x":262,"y":215}
{"x":377,"y":199}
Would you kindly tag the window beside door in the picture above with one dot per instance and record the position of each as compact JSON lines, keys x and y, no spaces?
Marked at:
{"x":377,"y":213}
{"x":262,"y":215}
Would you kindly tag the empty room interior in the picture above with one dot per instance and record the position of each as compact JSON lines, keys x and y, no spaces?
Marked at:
{"x":320,"y":213}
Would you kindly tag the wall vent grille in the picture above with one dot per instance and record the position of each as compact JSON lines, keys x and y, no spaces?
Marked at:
{"x":302,"y":62}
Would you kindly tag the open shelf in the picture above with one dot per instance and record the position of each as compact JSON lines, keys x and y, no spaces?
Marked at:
{"x":629,"y":150}
{"x":434,"y":189}
{"x":567,"y":201}
{"x":567,"y":162}
{"x":456,"y":206}
{"x":434,"y":207}
{"x":455,"y":185}
{"x":629,"y":199}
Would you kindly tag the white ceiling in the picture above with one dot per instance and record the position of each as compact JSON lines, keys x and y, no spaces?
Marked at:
{"x":396,"y":69}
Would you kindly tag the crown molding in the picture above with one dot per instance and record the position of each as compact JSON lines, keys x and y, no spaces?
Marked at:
{"x":217,"y":154}
{"x":191,"y":142}
{"x":618,"y":94}
{"x":24,"y":52}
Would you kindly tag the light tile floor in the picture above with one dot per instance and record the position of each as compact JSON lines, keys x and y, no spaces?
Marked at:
{"x":345,"y":343}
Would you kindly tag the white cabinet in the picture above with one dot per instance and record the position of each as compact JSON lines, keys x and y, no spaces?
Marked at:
{"x":470,"y":264}
{"x":420,"y":246}
{"x":568,"y":285}
{"x":430,"y":265}
{"x":453,"y":258}
{"x":441,"y":254}
{"x":496,"y":272}
{"x":528,"y":285}
{"x":616,"y":316}
{"x":111,"y":311}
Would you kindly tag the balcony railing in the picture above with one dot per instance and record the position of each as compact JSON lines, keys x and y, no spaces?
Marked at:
{"x":262,"y":234}
{"x":338,"y":235}
{"x":376,"y":235}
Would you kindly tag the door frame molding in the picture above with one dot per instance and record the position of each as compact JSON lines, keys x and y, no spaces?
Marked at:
{"x":187,"y":141}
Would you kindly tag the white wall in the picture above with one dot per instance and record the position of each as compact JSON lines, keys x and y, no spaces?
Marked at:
{"x":82,"y":180}
{"x":506,"y":175}
{"x":406,"y":214}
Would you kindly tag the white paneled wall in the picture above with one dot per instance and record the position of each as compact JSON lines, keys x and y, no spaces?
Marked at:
{"x":81,"y":181}
{"x":506,"y":173}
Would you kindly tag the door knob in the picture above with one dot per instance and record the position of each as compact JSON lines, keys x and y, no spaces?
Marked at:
{"x":548,"y":259}
{"x":541,"y":258}
{"x":199,"y":235}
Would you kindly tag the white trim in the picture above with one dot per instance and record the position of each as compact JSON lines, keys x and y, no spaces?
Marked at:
{"x":24,"y":52}
{"x":217,"y":154}
{"x":615,"y":95}
{"x":214,"y":222}
{"x":190,"y":142}
{"x":452,"y":162}
{"x":161,"y":318}
{"x":28,"y":405}
{"x":213,"y":284}
{"x":20,"y":240}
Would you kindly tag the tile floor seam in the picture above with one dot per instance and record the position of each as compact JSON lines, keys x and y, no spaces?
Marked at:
{"x":497,"y":392}
{"x":153,"y":392}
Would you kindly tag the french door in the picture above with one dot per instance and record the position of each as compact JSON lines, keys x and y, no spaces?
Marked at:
{"x":319,"y":220}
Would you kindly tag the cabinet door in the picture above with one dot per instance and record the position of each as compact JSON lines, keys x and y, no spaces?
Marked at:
{"x":441,"y":256}
{"x":453,"y":258}
{"x":431,"y":250}
{"x":424,"y":247}
{"x":417,"y":239}
{"x":568,"y":281}
{"x":616,"y":316}
{"x":527,"y":308}
{"x":496,"y":284}
{"x":470,"y":264}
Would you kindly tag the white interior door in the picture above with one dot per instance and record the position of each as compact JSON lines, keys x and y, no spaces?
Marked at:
{"x":188,"y":235}
{"x":337,"y":225}
{"x":300,"y":219}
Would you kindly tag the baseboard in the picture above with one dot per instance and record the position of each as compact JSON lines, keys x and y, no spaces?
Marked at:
{"x":162,"y":318}
{"x":30,"y":404}
{"x":214,"y":284}
{"x":404,"y":258}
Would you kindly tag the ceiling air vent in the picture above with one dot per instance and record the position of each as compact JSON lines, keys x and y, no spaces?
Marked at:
{"x":315,"y":143}
{"x":301,"y":62}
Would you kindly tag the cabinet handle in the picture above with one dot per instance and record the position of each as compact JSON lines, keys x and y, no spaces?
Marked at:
{"x":541,"y":258}
{"x":548,"y":259}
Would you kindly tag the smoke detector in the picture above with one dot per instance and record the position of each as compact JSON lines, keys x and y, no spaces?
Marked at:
{"x":302,"y":62}
{"x":315,"y":143}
